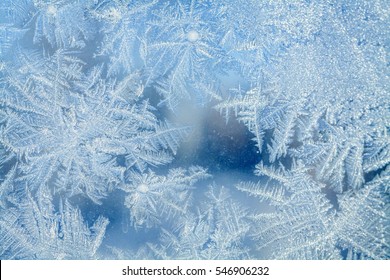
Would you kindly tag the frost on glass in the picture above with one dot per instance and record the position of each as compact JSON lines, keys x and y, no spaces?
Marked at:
{"x":194,"y":129}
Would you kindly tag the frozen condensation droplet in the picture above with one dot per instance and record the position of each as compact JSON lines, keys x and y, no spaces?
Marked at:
{"x":143,"y":188}
{"x":51,"y":10}
{"x":193,"y":36}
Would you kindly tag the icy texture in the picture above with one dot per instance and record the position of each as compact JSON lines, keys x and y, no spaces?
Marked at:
{"x":194,"y":129}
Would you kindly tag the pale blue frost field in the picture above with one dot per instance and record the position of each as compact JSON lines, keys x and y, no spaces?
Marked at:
{"x":229,"y":129}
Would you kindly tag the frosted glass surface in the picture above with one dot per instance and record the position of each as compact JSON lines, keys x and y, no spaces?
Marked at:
{"x":194,"y":129}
